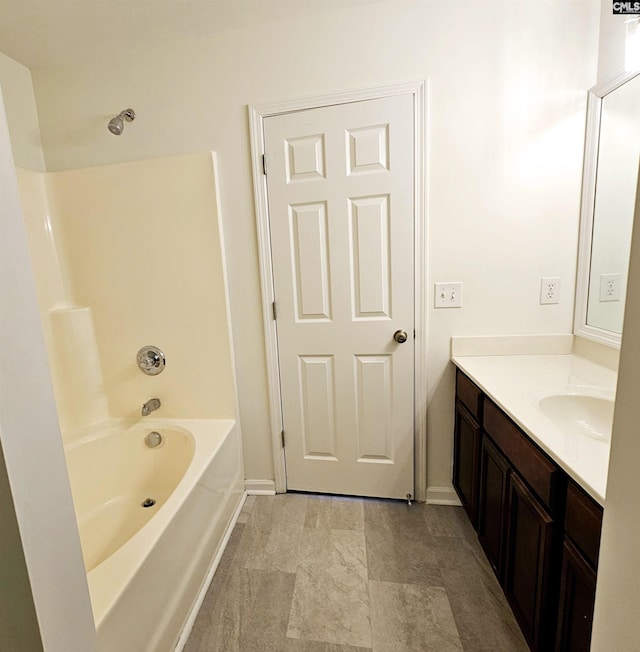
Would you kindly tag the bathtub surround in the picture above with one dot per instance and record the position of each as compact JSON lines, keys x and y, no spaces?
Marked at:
{"x":309,"y":573}
{"x":161,"y":279}
{"x":168,"y":285}
{"x":46,"y":249}
{"x":124,"y":255}
{"x":156,"y":276}
{"x":76,"y":371}
{"x":68,"y":328}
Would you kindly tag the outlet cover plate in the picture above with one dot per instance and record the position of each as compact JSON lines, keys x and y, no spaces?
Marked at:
{"x":448,"y":295}
{"x":610,"y":287}
{"x":550,"y":289}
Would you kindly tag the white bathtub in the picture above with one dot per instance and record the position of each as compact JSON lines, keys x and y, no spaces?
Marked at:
{"x":146,"y":566}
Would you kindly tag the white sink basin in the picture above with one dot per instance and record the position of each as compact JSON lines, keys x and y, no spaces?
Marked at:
{"x":589,"y":416}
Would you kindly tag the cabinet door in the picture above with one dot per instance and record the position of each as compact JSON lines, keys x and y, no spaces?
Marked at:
{"x":466,"y":449}
{"x":577,"y":599}
{"x":492,"y":503}
{"x":528,"y":556}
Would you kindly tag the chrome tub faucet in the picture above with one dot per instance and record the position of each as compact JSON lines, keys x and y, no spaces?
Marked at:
{"x":151,"y":405}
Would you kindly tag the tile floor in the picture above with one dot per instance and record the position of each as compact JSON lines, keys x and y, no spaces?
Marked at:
{"x":314,"y":573}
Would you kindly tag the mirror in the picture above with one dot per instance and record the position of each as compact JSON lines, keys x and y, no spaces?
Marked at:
{"x":612,"y":155}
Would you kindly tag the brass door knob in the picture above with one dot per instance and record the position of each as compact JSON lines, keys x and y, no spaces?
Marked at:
{"x":400,"y":337}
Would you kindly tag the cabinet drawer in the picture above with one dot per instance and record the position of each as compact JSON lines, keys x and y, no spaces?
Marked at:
{"x":538,"y":471}
{"x":470,"y":395}
{"x":583,"y":522}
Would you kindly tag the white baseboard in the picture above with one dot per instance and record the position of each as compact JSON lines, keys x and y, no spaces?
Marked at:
{"x":442,"y":496}
{"x":260,"y":487}
{"x":186,"y":631}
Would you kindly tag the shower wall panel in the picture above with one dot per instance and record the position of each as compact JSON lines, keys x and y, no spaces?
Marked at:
{"x":141,"y":248}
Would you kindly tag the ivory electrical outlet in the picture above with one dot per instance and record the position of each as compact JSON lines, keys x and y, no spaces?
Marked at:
{"x":550,"y":289}
{"x":448,"y":295}
{"x":610,"y":287}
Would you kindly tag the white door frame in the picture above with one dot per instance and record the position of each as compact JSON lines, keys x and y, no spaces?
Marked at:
{"x":257,"y":114}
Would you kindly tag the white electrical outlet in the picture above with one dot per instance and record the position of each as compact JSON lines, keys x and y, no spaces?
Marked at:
{"x":448,"y":295}
{"x":550,"y":289}
{"x":610,"y":287}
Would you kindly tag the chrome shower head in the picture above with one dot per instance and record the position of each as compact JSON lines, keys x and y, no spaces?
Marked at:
{"x":116,"y":125}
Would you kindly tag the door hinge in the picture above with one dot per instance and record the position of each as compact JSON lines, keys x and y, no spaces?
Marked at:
{"x":282,"y":437}
{"x":414,"y":333}
{"x":264,"y":165}
{"x":275,"y":312}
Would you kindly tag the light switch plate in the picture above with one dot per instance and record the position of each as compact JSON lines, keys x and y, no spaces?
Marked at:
{"x":448,"y":295}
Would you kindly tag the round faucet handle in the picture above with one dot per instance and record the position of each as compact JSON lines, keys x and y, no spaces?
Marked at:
{"x":151,"y":360}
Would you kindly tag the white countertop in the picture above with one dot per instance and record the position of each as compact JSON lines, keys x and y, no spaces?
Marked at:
{"x":517,"y":382}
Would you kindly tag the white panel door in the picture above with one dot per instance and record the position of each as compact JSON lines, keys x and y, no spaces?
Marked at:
{"x":340,"y":183}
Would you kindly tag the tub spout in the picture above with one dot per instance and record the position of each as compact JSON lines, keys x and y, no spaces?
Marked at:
{"x":151,"y":405}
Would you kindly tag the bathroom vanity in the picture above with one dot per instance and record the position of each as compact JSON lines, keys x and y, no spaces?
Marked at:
{"x":531,"y":450}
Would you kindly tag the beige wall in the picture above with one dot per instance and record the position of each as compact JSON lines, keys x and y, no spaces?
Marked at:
{"x":33,"y":480}
{"x":22,"y":116}
{"x":43,"y":591}
{"x":616,"y":625}
{"x":611,"y":42}
{"x":508,"y":85}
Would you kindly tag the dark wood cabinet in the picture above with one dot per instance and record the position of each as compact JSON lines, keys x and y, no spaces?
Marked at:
{"x":467,"y":437}
{"x":465,"y":460}
{"x":582,"y":524}
{"x":539,"y":530}
{"x":470,"y":395}
{"x":540,"y":473}
{"x":577,"y":599}
{"x":528,"y":580}
{"x":492,"y":503}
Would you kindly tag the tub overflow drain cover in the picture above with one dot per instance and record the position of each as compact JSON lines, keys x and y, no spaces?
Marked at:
{"x":148,"y":502}
{"x":153,"y":439}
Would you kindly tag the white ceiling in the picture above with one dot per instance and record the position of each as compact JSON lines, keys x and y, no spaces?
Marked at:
{"x":40,"y":33}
